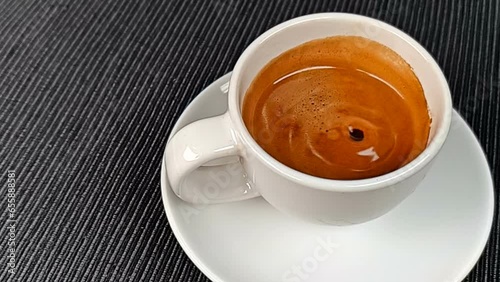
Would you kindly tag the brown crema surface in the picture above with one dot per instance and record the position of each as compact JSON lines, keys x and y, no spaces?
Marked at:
{"x":341,"y":107}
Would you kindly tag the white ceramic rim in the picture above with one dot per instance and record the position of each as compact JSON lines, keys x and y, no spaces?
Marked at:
{"x":328,"y":184}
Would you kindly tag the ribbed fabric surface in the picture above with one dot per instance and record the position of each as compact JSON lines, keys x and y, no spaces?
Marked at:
{"x":90,"y":90}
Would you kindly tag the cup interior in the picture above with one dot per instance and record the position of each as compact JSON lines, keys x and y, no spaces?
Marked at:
{"x":300,"y":30}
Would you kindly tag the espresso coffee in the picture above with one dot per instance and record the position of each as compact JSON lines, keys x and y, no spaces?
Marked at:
{"x":342,"y":107}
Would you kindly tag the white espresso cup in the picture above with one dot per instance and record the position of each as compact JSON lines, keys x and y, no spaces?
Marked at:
{"x":236,"y":167}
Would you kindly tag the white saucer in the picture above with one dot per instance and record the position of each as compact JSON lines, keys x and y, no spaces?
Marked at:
{"x":436,"y":235}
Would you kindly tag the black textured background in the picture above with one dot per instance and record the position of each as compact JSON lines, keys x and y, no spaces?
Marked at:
{"x":89,"y":91}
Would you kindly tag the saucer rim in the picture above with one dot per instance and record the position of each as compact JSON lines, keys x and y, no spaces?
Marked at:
{"x":216,"y":278}
{"x":165,"y":185}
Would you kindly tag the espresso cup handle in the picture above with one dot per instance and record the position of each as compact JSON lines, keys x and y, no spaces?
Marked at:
{"x":207,"y":148}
